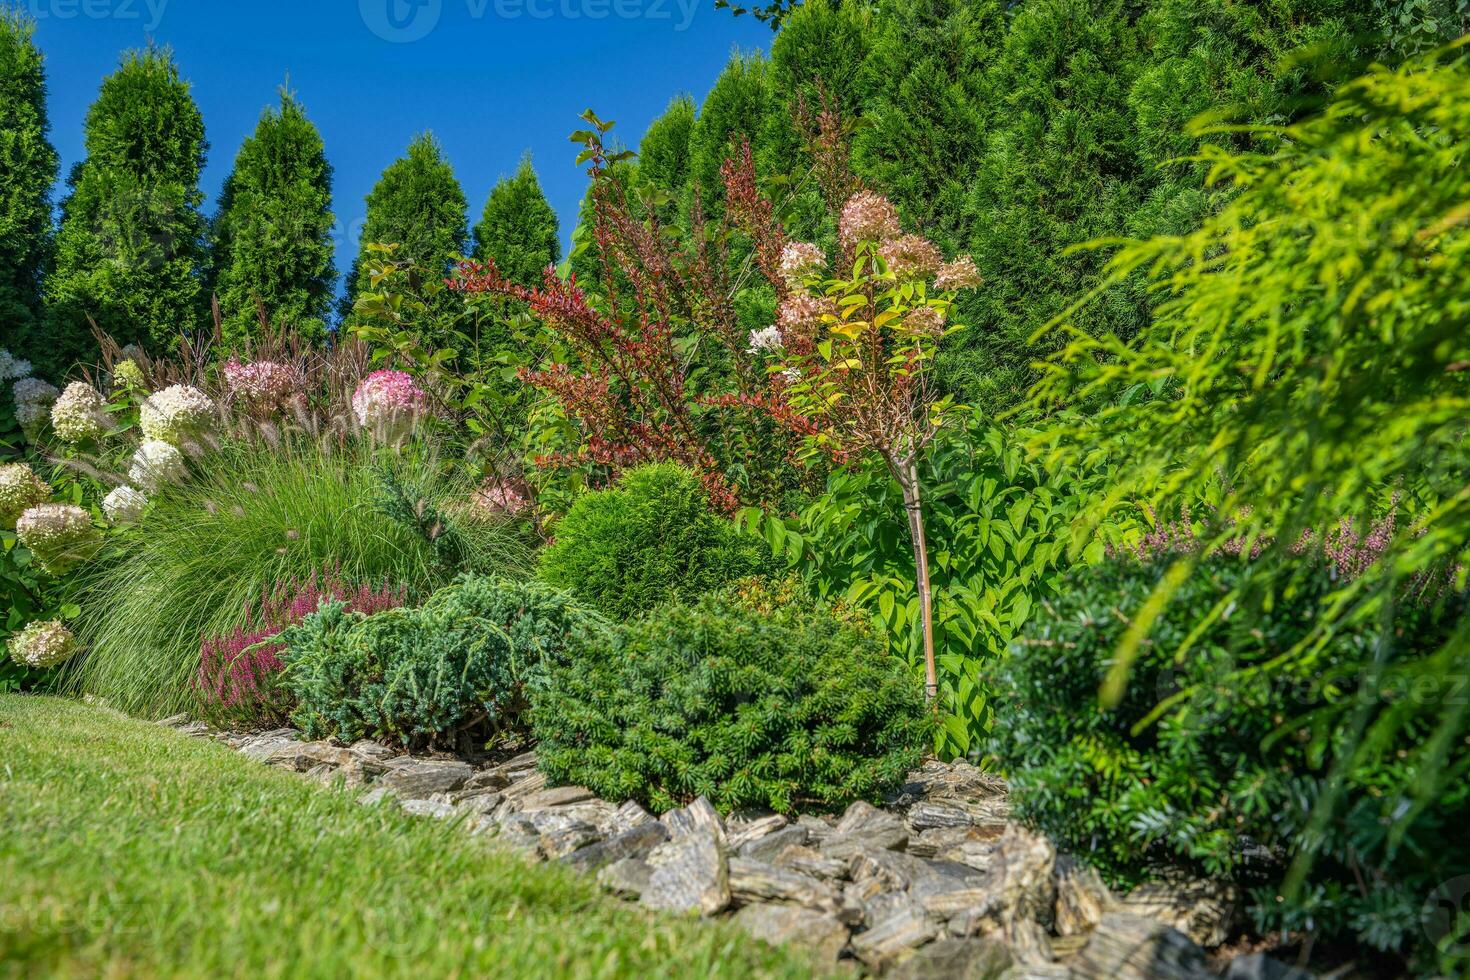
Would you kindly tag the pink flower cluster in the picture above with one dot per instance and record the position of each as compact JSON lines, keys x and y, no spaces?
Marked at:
{"x":387,"y":399}
{"x":800,"y":314}
{"x":959,"y":274}
{"x":501,"y":496}
{"x":237,"y":671}
{"x":911,"y":256}
{"x":266,"y":385}
{"x":867,"y":217}
{"x":800,"y":260}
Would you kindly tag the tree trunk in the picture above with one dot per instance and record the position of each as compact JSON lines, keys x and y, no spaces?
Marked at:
{"x":908,"y":481}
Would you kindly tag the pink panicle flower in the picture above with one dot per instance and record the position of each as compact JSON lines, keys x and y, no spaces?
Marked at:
{"x":800,"y":314}
{"x":388,"y":400}
{"x":959,"y":274}
{"x":910,"y":256}
{"x":265,"y":385}
{"x":925,"y":321}
{"x":501,"y":496}
{"x":800,"y":260}
{"x":867,"y":217}
{"x":237,"y":671}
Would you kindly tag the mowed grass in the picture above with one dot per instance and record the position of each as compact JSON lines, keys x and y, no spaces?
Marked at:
{"x":131,"y":850}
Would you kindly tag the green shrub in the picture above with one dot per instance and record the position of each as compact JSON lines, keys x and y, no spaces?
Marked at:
{"x":784,"y":708}
{"x":648,"y":539}
{"x":250,"y":517}
{"x":1216,"y":784}
{"x":460,"y":663}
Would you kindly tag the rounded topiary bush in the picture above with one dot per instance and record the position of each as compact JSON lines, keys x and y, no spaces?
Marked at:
{"x":650,"y":538}
{"x":1225,"y":781}
{"x":784,"y":708}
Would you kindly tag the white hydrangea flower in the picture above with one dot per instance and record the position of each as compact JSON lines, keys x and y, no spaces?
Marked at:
{"x":127,"y":374}
{"x":79,"y":414}
{"x":124,"y":505}
{"x":20,"y":490}
{"x":59,"y":535}
{"x":13,"y":367}
{"x":34,"y":391}
{"x":44,"y":643}
{"x":768,"y":339}
{"x":157,"y":464}
{"x":176,"y":414}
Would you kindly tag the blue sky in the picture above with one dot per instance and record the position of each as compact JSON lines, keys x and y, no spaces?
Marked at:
{"x":491,"y":78}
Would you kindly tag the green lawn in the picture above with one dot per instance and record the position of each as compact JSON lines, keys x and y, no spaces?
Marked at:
{"x":128,"y":849}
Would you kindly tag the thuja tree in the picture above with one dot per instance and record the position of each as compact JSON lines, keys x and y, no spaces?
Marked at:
{"x":131,"y":245}
{"x":1309,"y":350}
{"x":27,"y":170}
{"x":272,"y":236}
{"x":417,"y":205}
{"x":517,"y":230}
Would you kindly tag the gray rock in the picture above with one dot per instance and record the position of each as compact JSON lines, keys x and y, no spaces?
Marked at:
{"x":779,"y":925}
{"x":744,"y":832}
{"x":486,"y":780}
{"x":817,"y":829}
{"x":1082,"y":897}
{"x":556,"y":796}
{"x":755,"y":882}
{"x":766,"y":848}
{"x":1028,"y":942}
{"x":845,"y":846}
{"x":885,"y":940}
{"x":628,"y":816}
{"x":428,"y":808}
{"x":635,"y":842}
{"x":930,"y":814}
{"x":420,"y":778}
{"x":627,"y":878}
{"x":931,"y":841}
{"x":1020,"y":877}
{"x":370,"y":751}
{"x":1259,"y":966}
{"x":1201,"y":909}
{"x":698,"y":818}
{"x":975,"y":852}
{"x":376,"y":795}
{"x":530,"y":783}
{"x":559,"y":841}
{"x":1134,"y":947}
{"x":481,"y":801}
{"x":689,"y":873}
{"x":174,"y":721}
{"x":955,"y":959}
{"x":798,"y":857}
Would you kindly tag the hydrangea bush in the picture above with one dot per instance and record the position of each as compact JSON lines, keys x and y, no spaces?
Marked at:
{"x":178,"y":414}
{"x":42,"y":644}
{"x":156,"y":464}
{"x":20,"y":490}
{"x":79,"y":414}
{"x":124,"y":505}
{"x":59,"y":535}
{"x":389,"y":403}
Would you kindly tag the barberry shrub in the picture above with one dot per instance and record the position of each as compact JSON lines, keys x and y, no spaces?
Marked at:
{"x":1220,"y":746}
{"x":651,"y":538}
{"x":458,"y":665}
{"x":747,"y":704}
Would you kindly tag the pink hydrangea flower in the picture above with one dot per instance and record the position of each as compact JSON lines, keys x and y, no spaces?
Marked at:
{"x":801,"y":314}
{"x":387,"y":400}
{"x":800,"y":260}
{"x":959,"y":274}
{"x":910,"y":256}
{"x":868,"y":217}
{"x":263,"y":384}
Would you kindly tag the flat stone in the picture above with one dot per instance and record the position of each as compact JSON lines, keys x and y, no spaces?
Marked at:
{"x":174,"y":721}
{"x":558,"y":842}
{"x":798,"y":857}
{"x":628,"y":816}
{"x":1028,"y":942}
{"x":755,"y":882}
{"x":1020,"y":877}
{"x":931,"y":841}
{"x":1203,"y":910}
{"x":376,"y":795}
{"x":635,"y":842}
{"x":689,"y":873}
{"x":743,"y":832}
{"x":428,"y":808}
{"x":1259,"y":966}
{"x":780,"y":925}
{"x":520,"y":789}
{"x":699,"y":817}
{"x":767,"y":847}
{"x":486,"y":780}
{"x":955,"y":959}
{"x":817,"y":829}
{"x":1082,"y":896}
{"x":556,"y":796}
{"x":420,"y":778}
{"x":370,"y":751}
{"x":906,"y":929}
{"x":1134,"y":947}
{"x":482,"y":801}
{"x":929,"y":814}
{"x":627,"y":878}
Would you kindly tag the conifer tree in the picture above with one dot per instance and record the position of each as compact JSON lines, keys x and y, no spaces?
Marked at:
{"x":418,"y":205}
{"x":272,"y":235}
{"x":735,"y":108}
{"x":663,"y":154}
{"x":518,"y":228}
{"x":131,"y":246}
{"x":27,"y":169}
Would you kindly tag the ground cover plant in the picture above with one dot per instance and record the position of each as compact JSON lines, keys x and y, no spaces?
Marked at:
{"x":300,"y":881}
{"x":732,"y":697}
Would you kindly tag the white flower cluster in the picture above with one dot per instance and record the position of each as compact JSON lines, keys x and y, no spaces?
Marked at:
{"x":124,"y":505}
{"x":79,"y":414}
{"x":20,"y":490}
{"x":59,"y":535}
{"x":12,"y":367}
{"x":800,"y":260}
{"x":44,"y":643}
{"x":33,"y":398}
{"x":175,"y":414}
{"x":127,"y":374}
{"x":768,"y":339}
{"x":157,"y":464}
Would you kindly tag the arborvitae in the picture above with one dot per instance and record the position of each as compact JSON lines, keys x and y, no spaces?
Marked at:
{"x":272,"y":236}
{"x":663,"y":158}
{"x":418,"y":205}
{"x":27,"y":170}
{"x":518,"y":229}
{"x":734,"y":109}
{"x":131,"y":245}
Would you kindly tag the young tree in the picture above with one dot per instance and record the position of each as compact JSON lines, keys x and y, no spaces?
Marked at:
{"x":272,"y":236}
{"x":27,"y":169}
{"x":131,"y":246}
{"x":417,"y":205}
{"x":518,"y":229}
